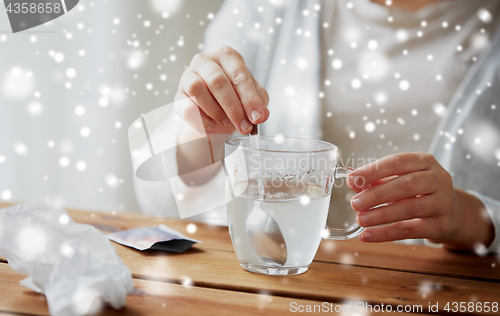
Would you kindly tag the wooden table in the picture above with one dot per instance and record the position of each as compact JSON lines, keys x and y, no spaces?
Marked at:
{"x":207,"y":279}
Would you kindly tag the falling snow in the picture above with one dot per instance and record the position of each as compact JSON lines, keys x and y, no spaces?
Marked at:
{"x":484,"y":15}
{"x":404,"y":85}
{"x":337,"y":64}
{"x":112,"y":181}
{"x":18,"y":83}
{"x":35,"y":108}
{"x":191,"y":228}
{"x":279,"y":138}
{"x":85,"y":131}
{"x":439,"y":109}
{"x":80,"y":110}
{"x":6,"y":195}
{"x":305,"y":200}
{"x":20,"y":148}
{"x":370,"y":127}
{"x":356,"y":83}
{"x":81,"y":166}
{"x":64,"y":161}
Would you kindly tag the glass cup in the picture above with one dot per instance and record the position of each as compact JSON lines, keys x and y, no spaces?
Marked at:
{"x":278,"y":198}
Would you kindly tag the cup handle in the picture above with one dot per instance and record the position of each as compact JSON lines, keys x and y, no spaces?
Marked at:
{"x":351,"y":231}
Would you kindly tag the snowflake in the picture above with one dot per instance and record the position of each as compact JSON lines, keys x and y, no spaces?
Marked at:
{"x":70,"y":73}
{"x":404,"y":85}
{"x":337,"y":64}
{"x":186,"y":282}
{"x":439,"y":109}
{"x":191,"y":228}
{"x":20,"y":148}
{"x":81,"y":165}
{"x":6,"y":195}
{"x":356,"y":83}
{"x":372,"y":44}
{"x":289,"y":91}
{"x":484,"y":15}
{"x":58,"y":57}
{"x":64,"y":161}
{"x":79,"y":110}
{"x":370,"y":127}
{"x":112,"y":180}
{"x":305,"y":200}
{"x":35,"y":108}
{"x":401,"y":35}
{"x":85,"y":131}
{"x":381,"y":98}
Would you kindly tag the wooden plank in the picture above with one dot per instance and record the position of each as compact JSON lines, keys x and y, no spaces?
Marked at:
{"x":323,"y":282}
{"x":414,"y":258}
{"x":411,"y":258}
{"x":394,"y":256}
{"x":15,"y":298}
{"x":152,"y":298}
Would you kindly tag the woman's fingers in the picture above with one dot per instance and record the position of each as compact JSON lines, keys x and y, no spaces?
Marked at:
{"x":242,"y":80}
{"x":373,"y":184}
{"x":436,"y":229}
{"x":221,"y":88}
{"x":400,"y":188}
{"x":397,"y":164}
{"x":410,"y":229}
{"x":264,"y":96}
{"x":187,"y":108}
{"x":196,"y":89}
{"x":225,"y":91}
{"x":399,"y":211}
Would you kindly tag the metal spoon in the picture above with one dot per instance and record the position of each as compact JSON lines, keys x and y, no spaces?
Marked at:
{"x":262,"y":230}
{"x":265,"y":236}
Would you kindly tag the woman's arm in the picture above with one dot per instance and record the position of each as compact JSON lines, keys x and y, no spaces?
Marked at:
{"x":225,"y":96}
{"x":476,"y":230}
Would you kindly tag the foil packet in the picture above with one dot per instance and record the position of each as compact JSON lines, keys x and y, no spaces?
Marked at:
{"x":159,"y":238}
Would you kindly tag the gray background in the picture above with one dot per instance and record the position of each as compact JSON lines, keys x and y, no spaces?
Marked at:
{"x":38,"y":106}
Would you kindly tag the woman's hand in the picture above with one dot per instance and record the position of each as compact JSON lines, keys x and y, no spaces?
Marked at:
{"x":416,"y":198}
{"x":223,"y":91}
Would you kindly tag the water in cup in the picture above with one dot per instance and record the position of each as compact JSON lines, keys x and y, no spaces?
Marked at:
{"x":300,"y":210}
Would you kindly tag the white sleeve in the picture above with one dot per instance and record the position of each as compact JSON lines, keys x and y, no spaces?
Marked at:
{"x":233,"y":25}
{"x":155,"y":196}
{"x":493,"y":208}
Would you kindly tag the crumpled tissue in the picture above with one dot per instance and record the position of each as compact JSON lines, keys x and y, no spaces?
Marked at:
{"x":74,"y":265}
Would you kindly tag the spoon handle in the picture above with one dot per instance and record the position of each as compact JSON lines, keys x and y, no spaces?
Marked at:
{"x":255,"y":142}
{"x":255,"y":131}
